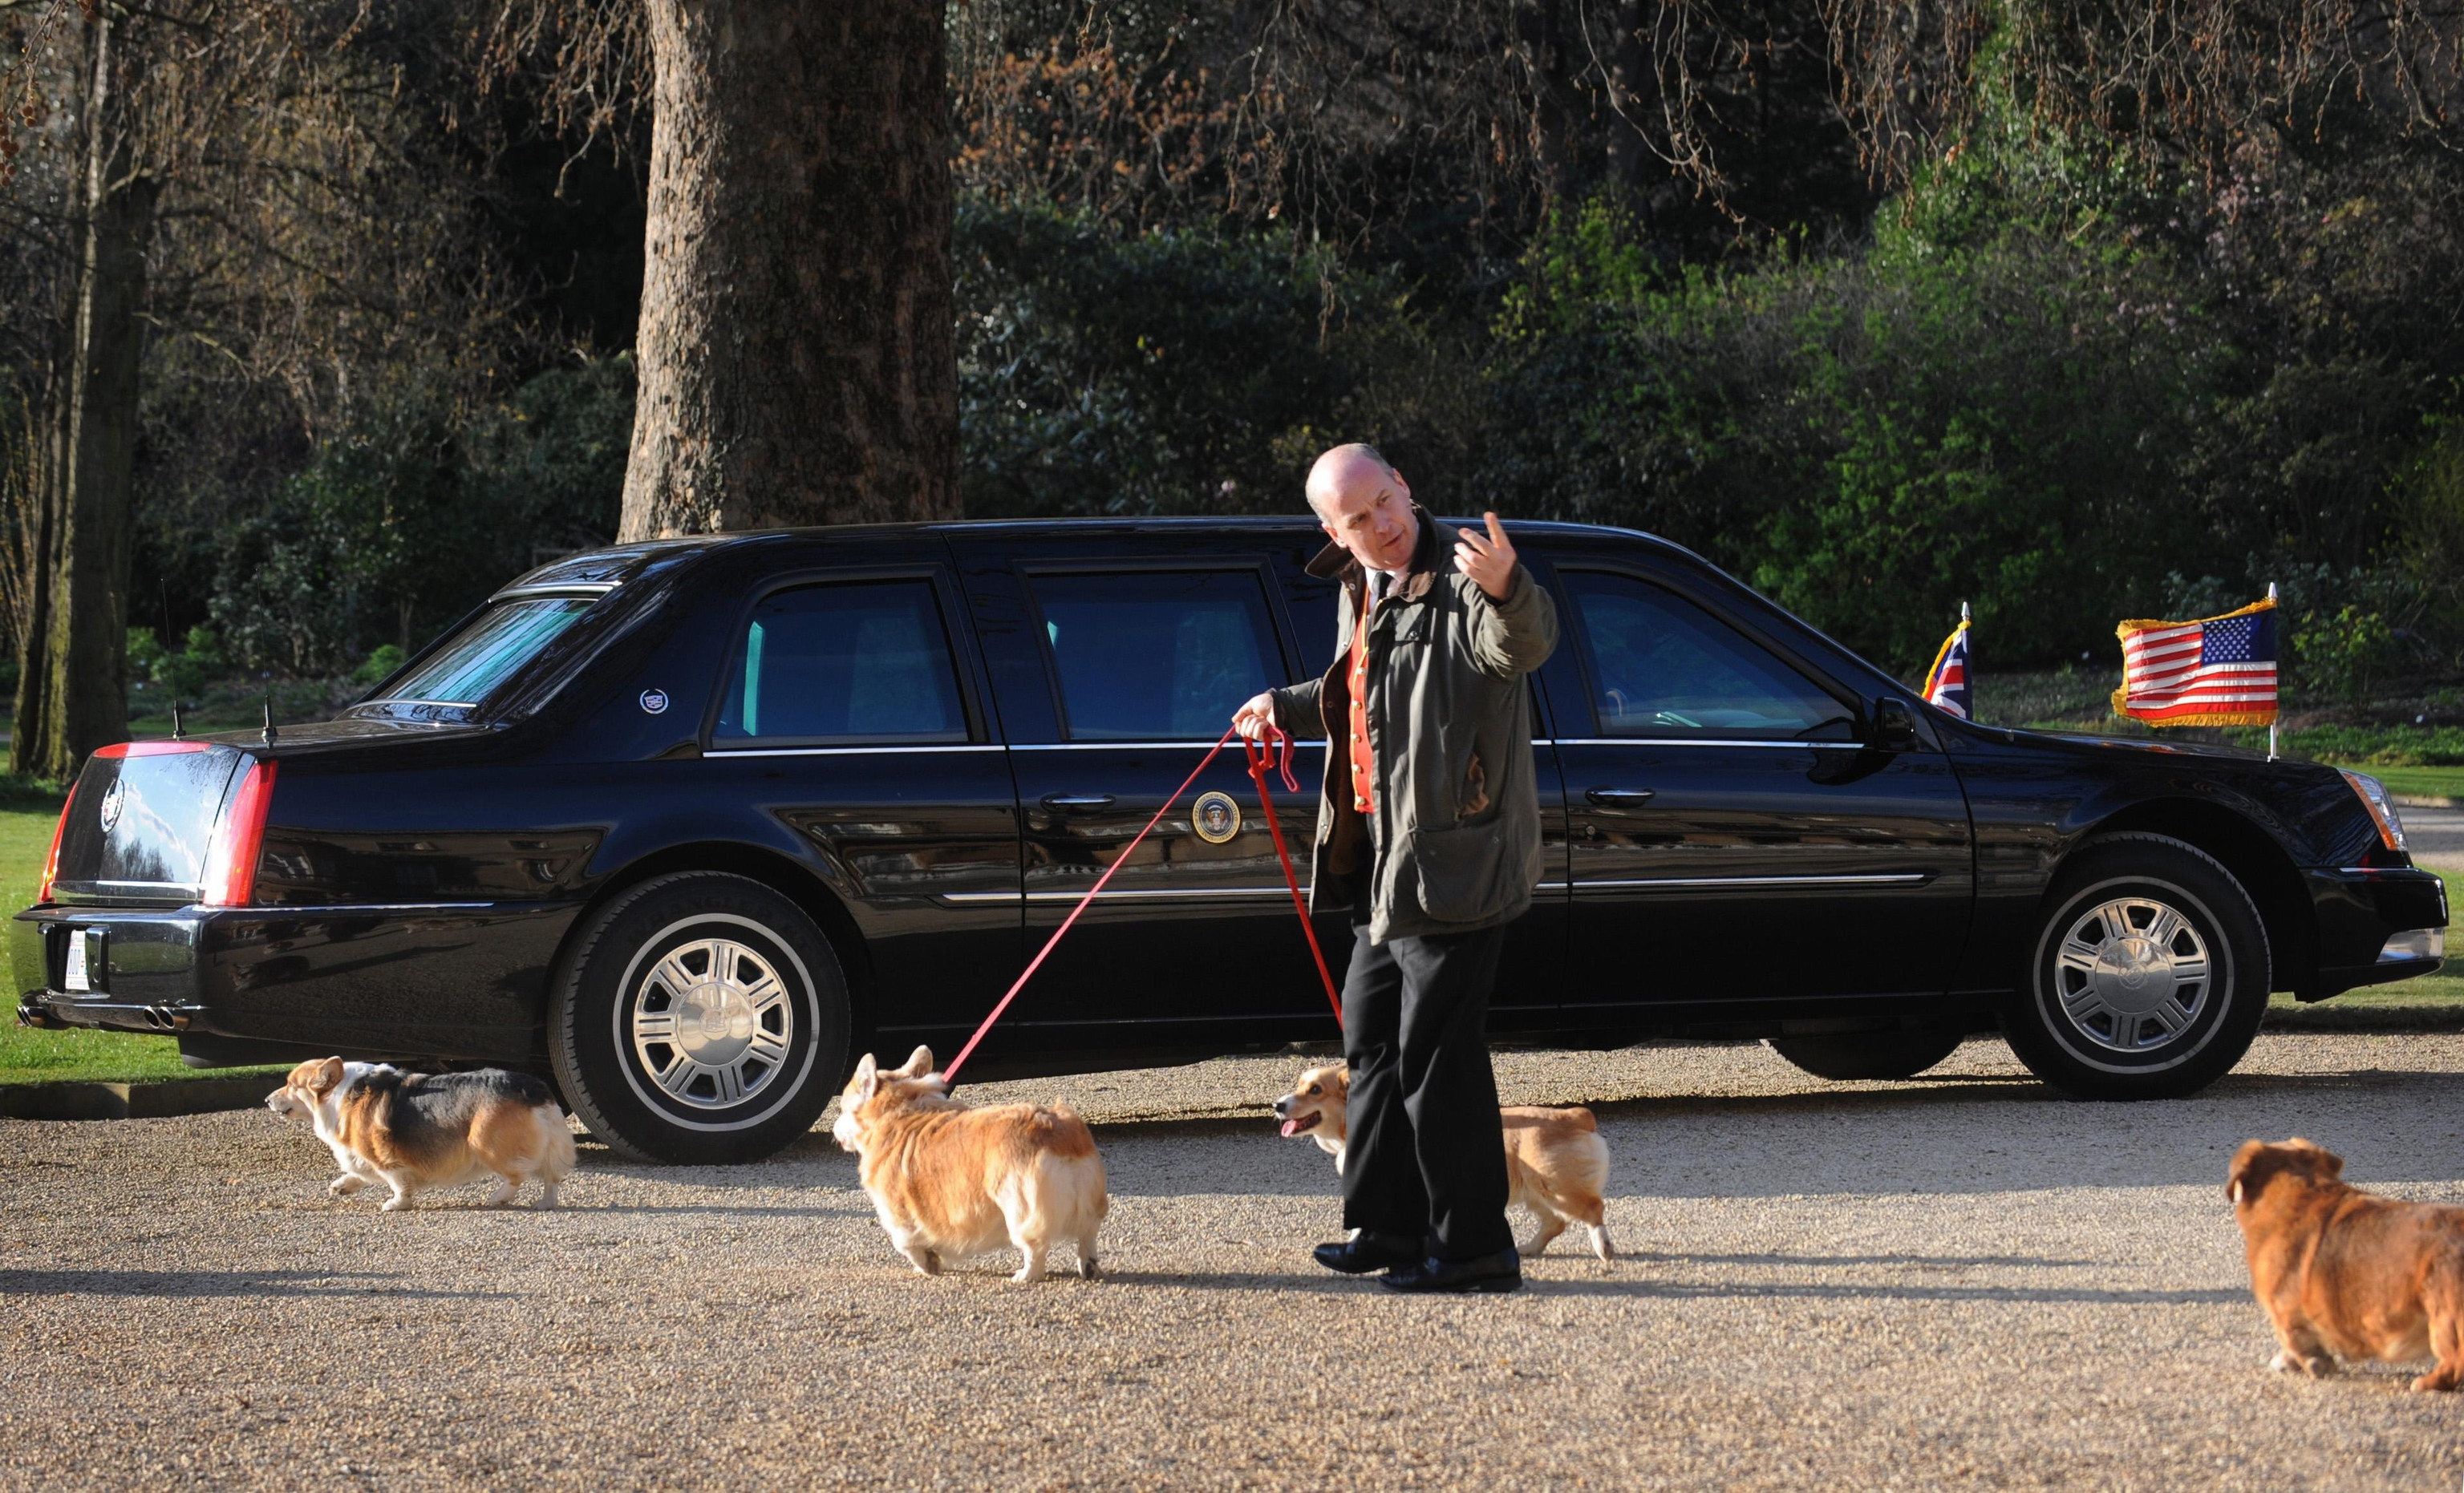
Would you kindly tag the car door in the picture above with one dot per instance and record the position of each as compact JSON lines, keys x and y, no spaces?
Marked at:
{"x":1117,"y":661}
{"x":1735,"y":837}
{"x":849,"y":712}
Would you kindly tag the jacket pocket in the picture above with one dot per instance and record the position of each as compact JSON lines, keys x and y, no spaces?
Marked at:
{"x":1464,"y":874}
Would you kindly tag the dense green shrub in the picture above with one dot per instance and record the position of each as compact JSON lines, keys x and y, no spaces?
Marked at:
{"x":414,"y":514}
{"x":1872,"y":438}
{"x":1162,"y":372}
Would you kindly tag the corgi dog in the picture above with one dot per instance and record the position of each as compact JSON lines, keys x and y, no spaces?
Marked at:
{"x":414,"y":1130}
{"x":950,"y":1182}
{"x":1557,"y":1165}
{"x":2342,"y":1272}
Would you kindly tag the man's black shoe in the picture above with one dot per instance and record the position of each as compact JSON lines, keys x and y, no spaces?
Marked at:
{"x":1368,"y":1254}
{"x":1499,"y":1272}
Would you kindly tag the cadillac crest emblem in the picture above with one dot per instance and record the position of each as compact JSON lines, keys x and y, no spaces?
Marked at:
{"x":1215,"y":817}
{"x":113,"y":797}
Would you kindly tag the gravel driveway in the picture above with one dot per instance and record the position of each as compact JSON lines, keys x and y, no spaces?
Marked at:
{"x":1952,"y":1282}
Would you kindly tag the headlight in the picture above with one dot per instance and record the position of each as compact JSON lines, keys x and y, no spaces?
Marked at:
{"x":2373,"y":794}
{"x":2421,"y":943}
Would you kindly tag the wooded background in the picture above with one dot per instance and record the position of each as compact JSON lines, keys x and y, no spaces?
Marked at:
{"x":319,"y":321}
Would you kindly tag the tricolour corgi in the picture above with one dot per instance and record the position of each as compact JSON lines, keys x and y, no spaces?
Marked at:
{"x":412,"y":1131}
{"x":950,"y":1182}
{"x":1557,"y":1165}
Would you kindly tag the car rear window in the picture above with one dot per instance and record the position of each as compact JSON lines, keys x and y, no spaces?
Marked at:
{"x":847,"y":661}
{"x":1162,"y":656}
{"x":487,"y":652}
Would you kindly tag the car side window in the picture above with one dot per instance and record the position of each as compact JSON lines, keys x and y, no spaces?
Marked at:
{"x":858,"y":662}
{"x":1157,"y":655}
{"x":1659,"y":666}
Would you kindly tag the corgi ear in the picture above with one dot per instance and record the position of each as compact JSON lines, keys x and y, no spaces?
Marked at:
{"x":918,"y":1064}
{"x":329,"y":1074}
{"x":868,"y":1078}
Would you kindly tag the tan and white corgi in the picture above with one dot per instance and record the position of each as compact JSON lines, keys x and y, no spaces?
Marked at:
{"x":415,"y":1130}
{"x":1557,"y":1165}
{"x":951,"y":1182}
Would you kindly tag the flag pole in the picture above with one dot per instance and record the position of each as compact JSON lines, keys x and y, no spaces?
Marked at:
{"x":2270,"y":725}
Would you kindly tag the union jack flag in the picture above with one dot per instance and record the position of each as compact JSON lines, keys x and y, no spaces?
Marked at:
{"x":1945,"y":685}
{"x":2216,"y":671}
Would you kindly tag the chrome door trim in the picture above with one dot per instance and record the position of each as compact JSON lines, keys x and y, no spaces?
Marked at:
{"x":1124,"y":894}
{"x":1878,"y":879}
{"x":1660,"y":741}
{"x":849,"y":750}
{"x":1135,"y":746}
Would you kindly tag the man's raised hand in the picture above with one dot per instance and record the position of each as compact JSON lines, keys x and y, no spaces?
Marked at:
{"x":1490,"y":561}
{"x":1253,"y":719}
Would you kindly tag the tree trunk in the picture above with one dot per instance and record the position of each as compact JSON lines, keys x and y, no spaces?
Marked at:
{"x":37,"y":562}
{"x":1540,"y":38}
{"x":1634,"y":101}
{"x":85,"y":700}
{"x":796,"y":353}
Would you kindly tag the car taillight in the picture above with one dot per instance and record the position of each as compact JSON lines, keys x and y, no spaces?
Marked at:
{"x":52,"y":862}
{"x":2373,"y":794}
{"x":231,"y":866}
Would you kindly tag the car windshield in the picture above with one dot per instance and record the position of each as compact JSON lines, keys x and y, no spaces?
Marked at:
{"x":485,"y":654}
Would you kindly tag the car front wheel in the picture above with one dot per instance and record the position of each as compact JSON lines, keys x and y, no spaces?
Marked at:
{"x":699,"y":1018}
{"x":2146,"y":976}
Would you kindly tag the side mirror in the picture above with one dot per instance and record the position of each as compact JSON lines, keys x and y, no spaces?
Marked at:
{"x":1895,"y":725}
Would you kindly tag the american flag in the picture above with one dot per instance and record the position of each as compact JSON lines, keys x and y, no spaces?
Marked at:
{"x":1947,"y":683}
{"x":2217,"y":671}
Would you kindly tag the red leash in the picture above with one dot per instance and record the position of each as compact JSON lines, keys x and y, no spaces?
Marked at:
{"x":1259,"y":758}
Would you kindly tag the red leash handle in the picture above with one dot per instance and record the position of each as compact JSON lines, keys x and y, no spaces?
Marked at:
{"x":1259,"y":759}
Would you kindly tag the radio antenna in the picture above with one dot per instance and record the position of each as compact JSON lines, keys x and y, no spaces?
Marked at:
{"x":269,"y":717}
{"x":175,"y":717}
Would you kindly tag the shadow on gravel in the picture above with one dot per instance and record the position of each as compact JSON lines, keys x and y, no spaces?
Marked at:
{"x":195,"y":1283}
{"x":1605,"y":1283}
{"x":1706,"y":1290}
{"x":1911,"y":1261}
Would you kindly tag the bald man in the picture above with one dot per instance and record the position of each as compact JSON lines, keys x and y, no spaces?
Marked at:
{"x":1428,"y":830}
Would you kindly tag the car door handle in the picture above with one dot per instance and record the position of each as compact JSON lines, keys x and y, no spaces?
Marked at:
{"x":1077,"y":800}
{"x":1613,"y":798}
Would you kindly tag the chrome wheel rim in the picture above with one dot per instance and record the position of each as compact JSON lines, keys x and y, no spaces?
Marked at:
{"x":2132,"y":974}
{"x":712,"y":1023}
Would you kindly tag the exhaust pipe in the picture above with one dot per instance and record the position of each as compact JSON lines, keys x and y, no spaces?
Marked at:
{"x":162,"y":1018}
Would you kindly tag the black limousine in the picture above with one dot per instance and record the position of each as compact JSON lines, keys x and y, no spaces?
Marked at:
{"x":688,"y":824}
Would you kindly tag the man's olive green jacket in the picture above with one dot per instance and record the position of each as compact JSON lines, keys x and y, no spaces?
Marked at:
{"x":1455,"y":835}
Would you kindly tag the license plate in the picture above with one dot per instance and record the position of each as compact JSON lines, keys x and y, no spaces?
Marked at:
{"x":77,"y":977}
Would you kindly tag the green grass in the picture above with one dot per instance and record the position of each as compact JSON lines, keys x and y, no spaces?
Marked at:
{"x":2426,"y":781}
{"x":27,"y":1056}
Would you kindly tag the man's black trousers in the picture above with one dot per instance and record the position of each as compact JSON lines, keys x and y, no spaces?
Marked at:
{"x":1426,"y":1158}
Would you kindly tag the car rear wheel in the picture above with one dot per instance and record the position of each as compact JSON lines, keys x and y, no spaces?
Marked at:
{"x":2146,"y":976}
{"x":1862,"y":1055}
{"x":699,"y":1018}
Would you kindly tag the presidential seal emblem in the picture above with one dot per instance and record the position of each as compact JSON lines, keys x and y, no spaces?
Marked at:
{"x":113,"y":798}
{"x":1215,"y":817}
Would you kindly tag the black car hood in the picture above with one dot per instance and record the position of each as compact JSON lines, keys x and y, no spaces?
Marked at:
{"x":2203,"y":749}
